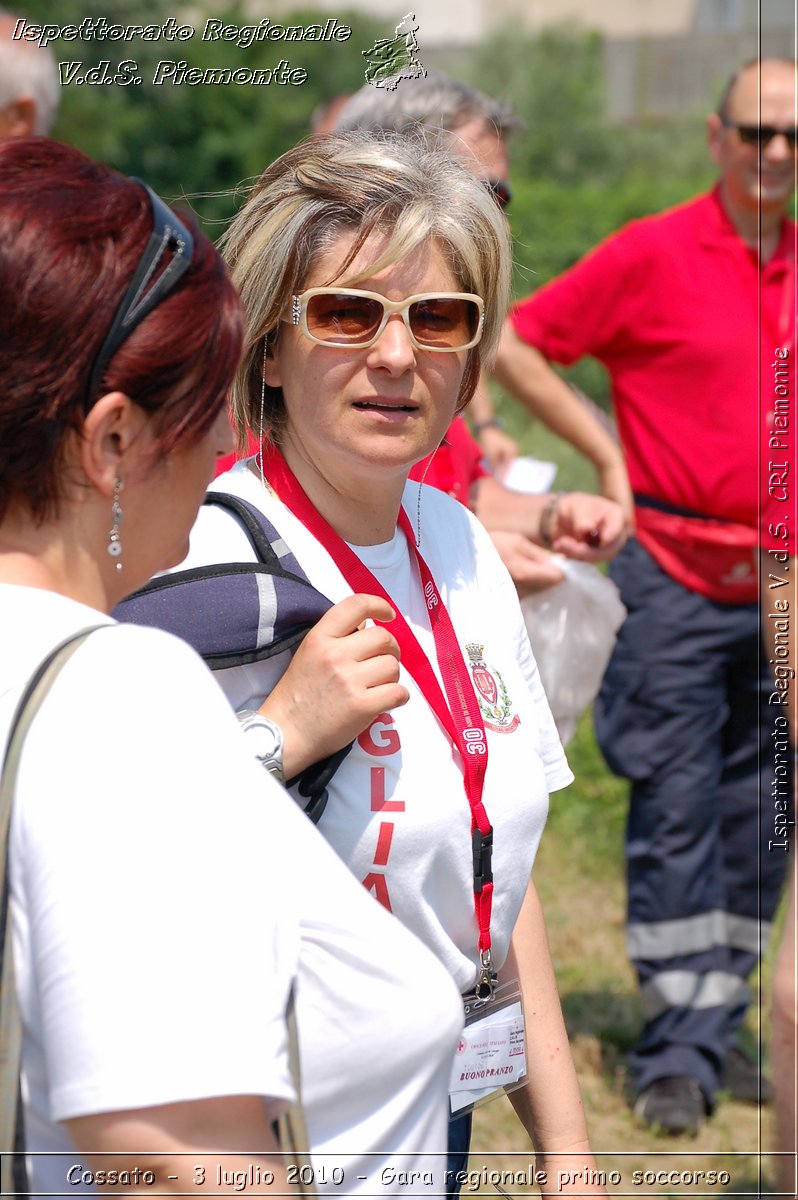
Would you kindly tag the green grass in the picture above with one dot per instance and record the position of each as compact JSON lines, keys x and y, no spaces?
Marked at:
{"x":589,"y":816}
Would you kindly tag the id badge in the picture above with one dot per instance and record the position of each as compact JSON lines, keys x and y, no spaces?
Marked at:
{"x":491,"y":1055}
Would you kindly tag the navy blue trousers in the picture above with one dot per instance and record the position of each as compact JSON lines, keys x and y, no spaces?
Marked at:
{"x":457,"y":1157}
{"x":684,"y":714}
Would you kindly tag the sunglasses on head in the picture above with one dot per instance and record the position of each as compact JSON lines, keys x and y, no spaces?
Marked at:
{"x":761,"y":135}
{"x":164,"y":260}
{"x":502,"y":192}
{"x":438,"y":321}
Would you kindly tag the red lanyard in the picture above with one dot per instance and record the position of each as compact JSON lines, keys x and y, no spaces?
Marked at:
{"x":461,"y":717}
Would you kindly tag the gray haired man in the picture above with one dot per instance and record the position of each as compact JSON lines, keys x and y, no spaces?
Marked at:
{"x":29,"y":85}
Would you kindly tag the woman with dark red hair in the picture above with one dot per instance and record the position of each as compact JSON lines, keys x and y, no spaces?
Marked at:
{"x":155,"y":923}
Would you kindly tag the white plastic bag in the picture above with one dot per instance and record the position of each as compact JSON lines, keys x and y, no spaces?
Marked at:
{"x":572,"y":628}
{"x":525,"y":474}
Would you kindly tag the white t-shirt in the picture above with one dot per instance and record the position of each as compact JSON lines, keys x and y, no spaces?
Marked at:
{"x":165,"y":893}
{"x":397,"y":813}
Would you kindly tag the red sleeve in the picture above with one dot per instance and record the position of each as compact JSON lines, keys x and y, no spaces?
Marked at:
{"x":229,"y":460}
{"x":456,"y":464}
{"x":588,"y":308}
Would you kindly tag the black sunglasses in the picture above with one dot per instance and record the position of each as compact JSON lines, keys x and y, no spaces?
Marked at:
{"x":502,"y":191}
{"x":761,"y":135}
{"x":146,"y":290}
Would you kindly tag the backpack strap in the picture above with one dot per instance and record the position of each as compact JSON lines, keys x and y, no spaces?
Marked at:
{"x":235,"y":613}
{"x":292,"y":1132}
{"x":14,"y":1180}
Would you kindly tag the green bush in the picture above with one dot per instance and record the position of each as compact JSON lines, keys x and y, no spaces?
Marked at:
{"x":576,"y":176}
{"x":204,"y":139}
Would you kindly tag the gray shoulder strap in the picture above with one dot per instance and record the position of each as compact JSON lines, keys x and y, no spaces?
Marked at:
{"x":291,"y":1129}
{"x":10,"y":1021}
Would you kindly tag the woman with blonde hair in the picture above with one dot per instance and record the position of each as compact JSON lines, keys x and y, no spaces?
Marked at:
{"x":374,"y":274}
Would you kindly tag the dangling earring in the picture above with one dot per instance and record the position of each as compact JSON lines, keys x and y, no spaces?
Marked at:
{"x":262,"y":411}
{"x":420,"y":488}
{"x":114,"y":544}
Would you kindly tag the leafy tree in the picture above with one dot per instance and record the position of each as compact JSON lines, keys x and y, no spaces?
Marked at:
{"x":555,"y":83}
{"x":198,"y":140}
{"x":576,"y":175}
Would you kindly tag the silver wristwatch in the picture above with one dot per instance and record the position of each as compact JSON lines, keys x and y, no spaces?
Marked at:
{"x":265,"y":739}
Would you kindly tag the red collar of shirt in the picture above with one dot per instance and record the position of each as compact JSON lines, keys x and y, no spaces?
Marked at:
{"x":716,"y":229}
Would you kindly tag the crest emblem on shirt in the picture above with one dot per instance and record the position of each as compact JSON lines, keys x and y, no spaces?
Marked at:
{"x":491,"y":692}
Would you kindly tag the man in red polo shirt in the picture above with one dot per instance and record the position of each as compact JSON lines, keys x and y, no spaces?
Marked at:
{"x":693,"y":314}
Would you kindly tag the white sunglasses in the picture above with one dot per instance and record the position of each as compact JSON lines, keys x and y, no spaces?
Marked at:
{"x":439,"y":321}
